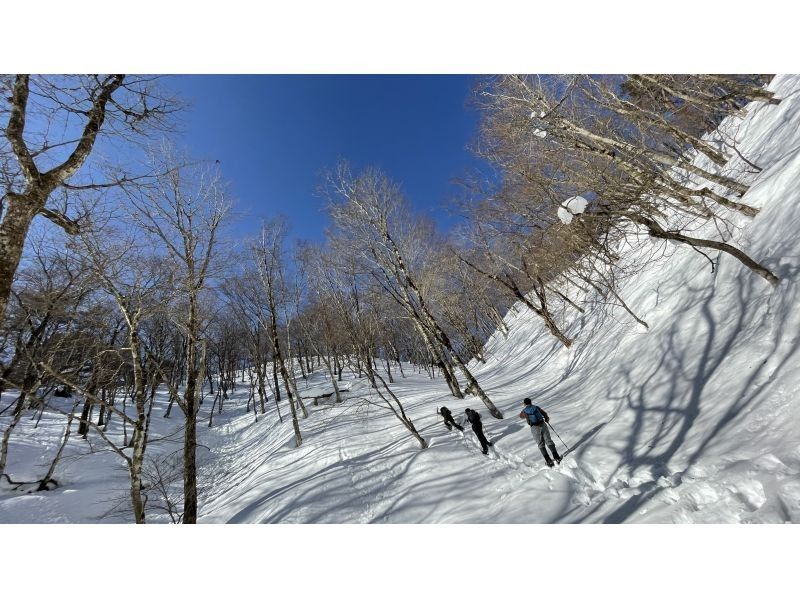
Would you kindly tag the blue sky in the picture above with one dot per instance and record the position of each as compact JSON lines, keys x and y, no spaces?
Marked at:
{"x":273,"y":135}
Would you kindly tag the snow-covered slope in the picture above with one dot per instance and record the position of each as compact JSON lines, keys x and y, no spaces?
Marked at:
{"x":693,"y":420}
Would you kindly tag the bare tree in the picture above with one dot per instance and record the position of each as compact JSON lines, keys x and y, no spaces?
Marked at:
{"x":556,"y":138}
{"x":184,"y":212}
{"x":318,"y":321}
{"x":134,"y":276}
{"x":52,"y":126}
{"x":359,"y":311}
{"x":267,"y":253}
{"x":51,"y":293}
{"x":370,"y":213}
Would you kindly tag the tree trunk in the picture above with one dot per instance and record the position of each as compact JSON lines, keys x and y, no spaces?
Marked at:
{"x":327,"y":362}
{"x":450,"y":378}
{"x":190,"y":466}
{"x":48,"y":477}
{"x":657,"y":231}
{"x":278,"y":358}
{"x":19,"y":213}
{"x":275,"y":379}
{"x":17,"y":415}
{"x":101,"y":415}
{"x":399,"y":412}
{"x":658,"y":157}
{"x":262,"y":391}
{"x":471,"y":380}
{"x":193,"y":371}
{"x":445,"y":367}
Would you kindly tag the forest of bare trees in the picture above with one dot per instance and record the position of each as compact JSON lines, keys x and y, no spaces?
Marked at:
{"x":131,"y":282}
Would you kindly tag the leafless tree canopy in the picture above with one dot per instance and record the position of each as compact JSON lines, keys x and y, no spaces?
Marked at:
{"x":49,"y":160}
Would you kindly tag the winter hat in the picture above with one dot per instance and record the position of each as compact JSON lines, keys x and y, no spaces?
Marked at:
{"x":527,"y":401}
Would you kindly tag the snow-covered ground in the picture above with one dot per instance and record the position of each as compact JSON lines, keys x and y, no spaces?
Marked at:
{"x":692,"y":421}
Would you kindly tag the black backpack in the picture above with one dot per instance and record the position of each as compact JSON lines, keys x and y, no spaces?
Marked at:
{"x":474,"y":417}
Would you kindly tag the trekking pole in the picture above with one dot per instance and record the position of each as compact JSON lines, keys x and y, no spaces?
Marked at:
{"x":559,"y":437}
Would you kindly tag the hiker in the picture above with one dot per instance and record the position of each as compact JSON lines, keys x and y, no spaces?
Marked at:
{"x":538,"y":419}
{"x":448,"y":419}
{"x":474,"y":418}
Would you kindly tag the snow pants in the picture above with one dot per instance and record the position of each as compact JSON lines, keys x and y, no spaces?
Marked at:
{"x":450,"y":422}
{"x":481,"y":438}
{"x":542,"y":436}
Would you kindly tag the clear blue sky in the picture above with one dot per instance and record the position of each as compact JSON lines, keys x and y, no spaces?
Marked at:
{"x":273,"y":135}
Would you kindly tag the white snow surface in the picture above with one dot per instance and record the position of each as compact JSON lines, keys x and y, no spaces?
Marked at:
{"x":692,"y":421}
{"x":571,"y":207}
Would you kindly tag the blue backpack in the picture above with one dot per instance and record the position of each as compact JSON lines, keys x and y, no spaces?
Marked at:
{"x":533,"y":414}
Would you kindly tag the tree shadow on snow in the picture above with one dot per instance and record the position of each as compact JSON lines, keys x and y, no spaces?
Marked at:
{"x":668,"y":400}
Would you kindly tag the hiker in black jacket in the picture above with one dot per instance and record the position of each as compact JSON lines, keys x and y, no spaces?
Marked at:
{"x":448,"y":419}
{"x":474,"y":419}
{"x":538,"y":419}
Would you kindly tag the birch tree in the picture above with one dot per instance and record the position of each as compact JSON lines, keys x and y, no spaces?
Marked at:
{"x":557,"y":139}
{"x":184,"y":213}
{"x":268,"y":257}
{"x":371,"y":215}
{"x":51,"y":127}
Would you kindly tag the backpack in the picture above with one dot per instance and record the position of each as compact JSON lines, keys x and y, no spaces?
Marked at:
{"x":533,"y":415}
{"x":473,"y":416}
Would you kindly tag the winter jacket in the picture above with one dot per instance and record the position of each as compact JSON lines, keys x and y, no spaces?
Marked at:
{"x":474,"y":418}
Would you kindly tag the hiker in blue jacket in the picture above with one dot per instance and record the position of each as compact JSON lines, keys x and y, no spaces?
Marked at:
{"x":538,"y":419}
